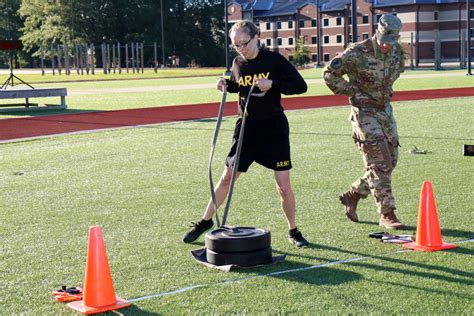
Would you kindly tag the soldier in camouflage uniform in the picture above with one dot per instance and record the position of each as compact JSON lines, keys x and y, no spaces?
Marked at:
{"x":372,"y":66}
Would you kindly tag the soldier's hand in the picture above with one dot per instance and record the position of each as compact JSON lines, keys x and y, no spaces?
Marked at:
{"x":264,"y":84}
{"x":220,"y":84}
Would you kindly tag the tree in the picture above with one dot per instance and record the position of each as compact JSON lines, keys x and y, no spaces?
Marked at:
{"x":193,"y":29}
{"x":10,"y":24}
{"x":200,"y":25}
{"x":301,"y":56}
{"x":10,"y":21}
{"x":44,"y":24}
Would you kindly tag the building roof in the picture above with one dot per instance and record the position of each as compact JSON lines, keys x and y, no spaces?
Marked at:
{"x":260,"y":5}
{"x":282,"y":7}
{"x":264,"y":8}
{"x":245,"y":4}
{"x":391,"y":3}
{"x":334,"y":5}
{"x":287,"y":7}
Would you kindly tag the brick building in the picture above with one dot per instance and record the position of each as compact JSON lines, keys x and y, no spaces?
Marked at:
{"x":432,"y":29}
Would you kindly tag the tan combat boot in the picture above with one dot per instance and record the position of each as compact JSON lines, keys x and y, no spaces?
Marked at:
{"x":390,"y":221}
{"x":350,"y":199}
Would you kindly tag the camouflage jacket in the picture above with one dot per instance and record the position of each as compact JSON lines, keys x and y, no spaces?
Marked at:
{"x":371,"y":74}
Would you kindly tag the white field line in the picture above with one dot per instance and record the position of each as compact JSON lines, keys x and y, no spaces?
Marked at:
{"x":327,"y":264}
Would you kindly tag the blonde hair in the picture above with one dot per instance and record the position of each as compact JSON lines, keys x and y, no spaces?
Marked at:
{"x":246,"y":26}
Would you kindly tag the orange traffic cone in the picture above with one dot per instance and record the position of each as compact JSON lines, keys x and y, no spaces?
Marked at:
{"x":99,"y":295}
{"x":428,"y":233}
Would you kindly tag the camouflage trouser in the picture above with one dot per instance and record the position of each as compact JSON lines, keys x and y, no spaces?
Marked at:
{"x":375,"y":133}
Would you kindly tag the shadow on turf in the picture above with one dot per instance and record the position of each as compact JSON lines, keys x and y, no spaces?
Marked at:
{"x":455,"y":233}
{"x":132,"y":310}
{"x":309,"y":274}
{"x":431,"y":271}
{"x":303,"y":272}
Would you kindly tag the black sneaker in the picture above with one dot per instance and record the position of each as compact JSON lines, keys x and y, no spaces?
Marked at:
{"x":197,"y":230}
{"x":296,"y":238}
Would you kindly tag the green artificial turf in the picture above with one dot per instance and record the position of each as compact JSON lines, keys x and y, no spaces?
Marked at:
{"x":98,"y":99}
{"x":144,"y":185}
{"x":99,"y":75}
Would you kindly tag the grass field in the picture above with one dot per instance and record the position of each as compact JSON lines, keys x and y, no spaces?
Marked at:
{"x":309,"y":73}
{"x":144,"y":186}
{"x":99,"y":75}
{"x":111,"y":95}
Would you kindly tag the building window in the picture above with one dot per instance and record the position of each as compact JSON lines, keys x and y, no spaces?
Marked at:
{"x":314,"y":57}
{"x":377,"y":17}
{"x":290,"y":41}
{"x":314,"y":23}
{"x":339,"y":38}
{"x":326,"y":39}
{"x":301,"y":23}
{"x":279,"y":41}
{"x":349,"y":20}
{"x":269,"y":26}
{"x":278,"y":25}
{"x":365,"y":36}
{"x":436,"y":15}
{"x":349,"y":38}
{"x":325,"y":22}
{"x":269,"y":42}
{"x":472,"y":14}
{"x":327,"y":57}
{"x":365,"y":19}
{"x":339,"y":21}
{"x":290,"y":24}
{"x":314,"y":40}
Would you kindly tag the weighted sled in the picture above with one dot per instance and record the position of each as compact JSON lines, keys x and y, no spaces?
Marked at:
{"x":243,"y":259}
{"x":237,"y":239}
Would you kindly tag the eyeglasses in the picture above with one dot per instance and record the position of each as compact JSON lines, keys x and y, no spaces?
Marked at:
{"x":242,"y":45}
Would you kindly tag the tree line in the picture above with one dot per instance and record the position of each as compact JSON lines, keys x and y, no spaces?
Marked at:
{"x":193,"y":29}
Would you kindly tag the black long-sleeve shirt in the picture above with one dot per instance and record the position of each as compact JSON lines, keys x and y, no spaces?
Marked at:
{"x":270,"y":65}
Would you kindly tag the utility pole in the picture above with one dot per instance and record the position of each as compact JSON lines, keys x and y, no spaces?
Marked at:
{"x":226,"y":35}
{"x":318,"y":33}
{"x":354,"y":20}
{"x":162,"y":37}
{"x":468,"y":35}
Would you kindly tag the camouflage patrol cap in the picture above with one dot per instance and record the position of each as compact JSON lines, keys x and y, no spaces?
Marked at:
{"x":388,"y":29}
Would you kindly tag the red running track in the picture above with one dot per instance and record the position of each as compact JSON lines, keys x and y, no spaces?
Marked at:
{"x":17,"y":128}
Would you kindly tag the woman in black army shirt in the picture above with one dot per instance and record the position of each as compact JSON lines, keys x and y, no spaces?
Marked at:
{"x":266,"y":137}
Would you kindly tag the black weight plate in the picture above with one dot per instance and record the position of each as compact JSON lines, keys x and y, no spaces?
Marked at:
{"x":237,"y":239}
{"x":242,"y":259}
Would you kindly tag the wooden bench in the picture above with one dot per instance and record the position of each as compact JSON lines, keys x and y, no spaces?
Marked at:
{"x":32,"y":93}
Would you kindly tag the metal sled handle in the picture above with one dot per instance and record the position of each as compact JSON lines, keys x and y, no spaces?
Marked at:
{"x":213,"y":146}
{"x":237,"y":155}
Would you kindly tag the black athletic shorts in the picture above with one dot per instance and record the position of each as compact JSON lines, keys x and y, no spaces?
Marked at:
{"x":266,"y":142}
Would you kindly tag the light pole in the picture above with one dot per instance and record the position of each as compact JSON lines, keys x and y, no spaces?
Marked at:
{"x":354,"y":20}
{"x":318,"y":33}
{"x":226,"y":34}
{"x":162,"y":37}
{"x":468,"y":33}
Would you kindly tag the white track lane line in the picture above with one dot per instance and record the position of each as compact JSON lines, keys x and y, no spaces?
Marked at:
{"x":327,"y":264}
